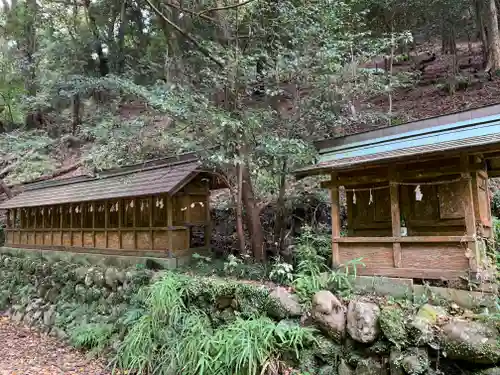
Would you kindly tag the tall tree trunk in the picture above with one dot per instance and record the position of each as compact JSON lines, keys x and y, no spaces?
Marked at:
{"x":76,"y":120}
{"x":279,"y":223}
{"x":30,"y":47}
{"x":493,"y":39}
{"x":120,"y":66}
{"x":239,"y":211}
{"x":253,"y":217}
{"x":480,"y":25}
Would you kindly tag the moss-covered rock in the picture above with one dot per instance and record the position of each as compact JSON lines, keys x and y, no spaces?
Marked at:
{"x":422,"y":324}
{"x":393,"y":325}
{"x":489,"y":371}
{"x":370,"y":367}
{"x":415,"y":361}
{"x":363,"y":321}
{"x":344,"y":369}
{"x":471,"y":341}
{"x":327,"y":350}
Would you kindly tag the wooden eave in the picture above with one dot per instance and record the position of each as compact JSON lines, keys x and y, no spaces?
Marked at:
{"x":431,"y":138}
{"x":155,"y":177}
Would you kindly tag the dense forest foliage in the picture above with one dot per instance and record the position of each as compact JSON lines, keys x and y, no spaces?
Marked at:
{"x":249,"y":84}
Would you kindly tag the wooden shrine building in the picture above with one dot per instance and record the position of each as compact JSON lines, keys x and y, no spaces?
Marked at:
{"x":417,"y":195}
{"x":157,"y":209}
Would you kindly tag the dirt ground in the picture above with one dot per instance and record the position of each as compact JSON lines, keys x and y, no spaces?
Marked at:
{"x":27,"y":352}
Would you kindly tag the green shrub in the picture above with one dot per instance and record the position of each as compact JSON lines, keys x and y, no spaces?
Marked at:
{"x":94,"y":337}
{"x":313,"y":270}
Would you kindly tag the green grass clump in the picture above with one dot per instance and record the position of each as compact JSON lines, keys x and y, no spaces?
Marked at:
{"x":94,"y":337}
{"x":174,"y":336}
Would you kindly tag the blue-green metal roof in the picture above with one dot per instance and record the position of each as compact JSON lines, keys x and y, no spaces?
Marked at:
{"x":409,"y":140}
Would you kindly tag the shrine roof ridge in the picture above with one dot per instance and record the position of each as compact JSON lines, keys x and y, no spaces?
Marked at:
{"x":457,"y":131}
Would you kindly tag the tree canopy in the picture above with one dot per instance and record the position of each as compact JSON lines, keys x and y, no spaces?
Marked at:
{"x":249,"y":84}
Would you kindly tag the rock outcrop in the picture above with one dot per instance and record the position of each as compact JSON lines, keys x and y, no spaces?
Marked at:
{"x":363,"y":321}
{"x":329,"y":315}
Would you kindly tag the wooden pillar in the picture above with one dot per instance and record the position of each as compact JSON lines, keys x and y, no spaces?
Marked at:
{"x":94,"y":207}
{"x":170,"y":223}
{"x":396,"y":222}
{"x":61,"y":219}
{"x":334,"y":195}
{"x":106,"y":219}
{"x":134,"y":220}
{"x":9,"y":218}
{"x":208,"y":224}
{"x":82,"y":217}
{"x":52,"y":223}
{"x":469,"y":214}
{"x":42,"y":216}
{"x":71,"y":223}
{"x":150,"y":200}
{"x":120,"y":219}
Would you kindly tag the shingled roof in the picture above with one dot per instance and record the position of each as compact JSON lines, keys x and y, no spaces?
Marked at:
{"x":159,"y":176}
{"x":460,"y":131}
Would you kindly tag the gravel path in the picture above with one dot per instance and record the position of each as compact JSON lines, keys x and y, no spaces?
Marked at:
{"x":27,"y":352}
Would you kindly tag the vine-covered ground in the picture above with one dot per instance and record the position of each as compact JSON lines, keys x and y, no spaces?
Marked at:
{"x":24,"y":351}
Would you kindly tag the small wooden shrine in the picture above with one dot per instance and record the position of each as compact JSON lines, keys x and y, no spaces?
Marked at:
{"x":417,"y":195}
{"x":159,"y":208}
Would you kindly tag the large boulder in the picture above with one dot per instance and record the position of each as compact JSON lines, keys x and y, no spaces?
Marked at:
{"x":328,"y":314}
{"x":363,"y":321}
{"x":49,"y":316}
{"x":422,"y":324}
{"x":415,"y":361}
{"x":289,"y":302}
{"x":344,"y":369}
{"x":94,"y":277}
{"x":471,"y":341}
{"x":111,"y":277}
{"x":370,"y":367}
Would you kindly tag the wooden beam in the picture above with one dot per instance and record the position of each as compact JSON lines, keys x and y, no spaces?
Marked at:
{"x":396,"y":223}
{"x":470,"y":218}
{"x":413,"y":239}
{"x":438,"y":274}
{"x":334,"y":196}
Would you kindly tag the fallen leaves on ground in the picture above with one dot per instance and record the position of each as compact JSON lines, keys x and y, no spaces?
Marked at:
{"x":27,"y":352}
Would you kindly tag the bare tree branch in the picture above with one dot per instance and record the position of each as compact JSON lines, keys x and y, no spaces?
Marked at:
{"x":237,"y":5}
{"x":192,"y":12}
{"x":188,"y":36}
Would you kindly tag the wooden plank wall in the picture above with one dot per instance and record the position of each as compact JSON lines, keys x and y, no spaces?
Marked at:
{"x":156,"y":224}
